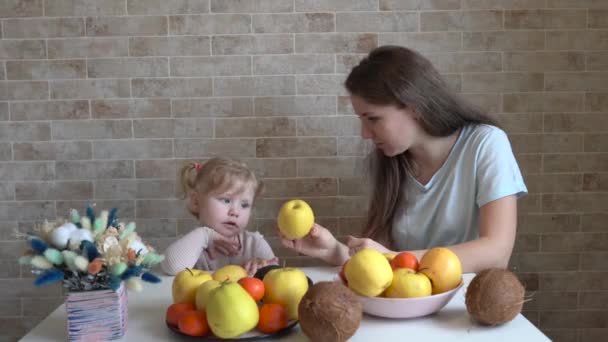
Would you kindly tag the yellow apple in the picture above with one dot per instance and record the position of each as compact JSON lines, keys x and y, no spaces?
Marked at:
{"x":229,"y":273}
{"x":295,"y":219}
{"x":203,"y":291}
{"x":185,"y":284}
{"x":285,"y":286}
{"x":442,"y":267}
{"x":368,"y":273}
{"x":408,"y":284}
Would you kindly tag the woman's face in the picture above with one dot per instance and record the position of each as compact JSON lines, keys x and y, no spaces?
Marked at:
{"x":393,"y":130}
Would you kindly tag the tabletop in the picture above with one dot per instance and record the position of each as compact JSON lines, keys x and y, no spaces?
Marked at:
{"x":146,"y":320}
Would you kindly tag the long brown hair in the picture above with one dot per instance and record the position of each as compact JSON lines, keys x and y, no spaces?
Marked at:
{"x":217,"y":175}
{"x":401,"y":77}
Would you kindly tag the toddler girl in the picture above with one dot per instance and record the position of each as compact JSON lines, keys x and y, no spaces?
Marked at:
{"x":220,"y":194}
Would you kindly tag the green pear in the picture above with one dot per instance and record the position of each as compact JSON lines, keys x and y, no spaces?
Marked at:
{"x":231,"y":311}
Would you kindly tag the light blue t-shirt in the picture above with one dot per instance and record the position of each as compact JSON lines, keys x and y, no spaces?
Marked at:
{"x":480,"y":168}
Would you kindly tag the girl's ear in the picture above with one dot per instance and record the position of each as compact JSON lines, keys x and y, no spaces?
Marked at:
{"x":193,"y":202}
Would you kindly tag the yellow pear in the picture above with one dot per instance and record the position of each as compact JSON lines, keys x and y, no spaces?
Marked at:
{"x":229,"y":273}
{"x":408,"y":284}
{"x":443,"y":268}
{"x":185,"y":284}
{"x":231,"y":311}
{"x":203,"y":291}
{"x":368,"y":273}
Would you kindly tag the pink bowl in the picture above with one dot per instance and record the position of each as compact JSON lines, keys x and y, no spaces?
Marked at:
{"x":406,"y":307}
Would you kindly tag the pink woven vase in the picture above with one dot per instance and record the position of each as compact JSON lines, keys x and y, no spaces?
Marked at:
{"x":99,"y":315}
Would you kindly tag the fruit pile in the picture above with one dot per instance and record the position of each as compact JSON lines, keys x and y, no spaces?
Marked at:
{"x":228,"y":303}
{"x":370,"y":273}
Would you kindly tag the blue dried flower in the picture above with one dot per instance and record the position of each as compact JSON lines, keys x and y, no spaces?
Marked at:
{"x":150,"y":278}
{"x":91,"y":214}
{"x":38,"y":245}
{"x":114,"y":283}
{"x":112,"y":217}
{"x":48,"y":277}
{"x":89,"y":250}
{"x":132,"y":271}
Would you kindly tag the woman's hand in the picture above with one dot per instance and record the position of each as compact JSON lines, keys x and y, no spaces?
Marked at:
{"x":356,"y":244}
{"x":252,"y":266}
{"x":319,"y":243}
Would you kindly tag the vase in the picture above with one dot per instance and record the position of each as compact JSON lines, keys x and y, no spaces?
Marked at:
{"x":98,"y":315}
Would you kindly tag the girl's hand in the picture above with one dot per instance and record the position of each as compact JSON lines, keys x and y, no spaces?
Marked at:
{"x":252,"y":266}
{"x":356,"y":244}
{"x":220,"y":245}
{"x":319,"y":243}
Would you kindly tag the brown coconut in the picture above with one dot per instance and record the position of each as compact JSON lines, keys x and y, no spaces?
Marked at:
{"x":330,"y":312}
{"x":495,"y":296}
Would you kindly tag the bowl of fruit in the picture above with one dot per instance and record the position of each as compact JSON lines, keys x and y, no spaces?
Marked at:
{"x":228,"y":304}
{"x":398,"y":286}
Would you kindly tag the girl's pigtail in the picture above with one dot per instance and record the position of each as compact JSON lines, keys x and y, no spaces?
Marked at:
{"x":187,"y":179}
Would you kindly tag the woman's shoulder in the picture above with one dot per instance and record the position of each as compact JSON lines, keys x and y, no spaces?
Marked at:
{"x":485,"y":131}
{"x":483,"y":135}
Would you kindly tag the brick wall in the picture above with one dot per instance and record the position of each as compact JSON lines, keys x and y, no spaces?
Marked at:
{"x":101,"y":100}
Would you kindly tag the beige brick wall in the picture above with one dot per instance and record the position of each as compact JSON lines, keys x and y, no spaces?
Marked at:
{"x":101,"y":100}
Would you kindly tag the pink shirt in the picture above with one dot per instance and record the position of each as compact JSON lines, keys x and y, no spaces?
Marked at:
{"x":190,"y":251}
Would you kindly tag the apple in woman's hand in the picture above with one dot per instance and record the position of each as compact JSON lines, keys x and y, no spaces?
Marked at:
{"x":295,"y":219}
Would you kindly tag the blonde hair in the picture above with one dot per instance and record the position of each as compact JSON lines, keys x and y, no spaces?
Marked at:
{"x":218,"y":174}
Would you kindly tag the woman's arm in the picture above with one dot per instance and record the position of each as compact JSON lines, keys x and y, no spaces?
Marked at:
{"x":497,"y":228}
{"x":340,"y":254}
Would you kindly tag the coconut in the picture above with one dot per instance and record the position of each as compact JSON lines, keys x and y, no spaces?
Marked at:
{"x":495,"y":296}
{"x":330,"y":312}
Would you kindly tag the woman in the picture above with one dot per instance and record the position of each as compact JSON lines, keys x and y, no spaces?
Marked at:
{"x":443,"y":173}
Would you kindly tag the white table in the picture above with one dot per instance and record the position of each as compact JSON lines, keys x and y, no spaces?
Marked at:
{"x":147,"y":321}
